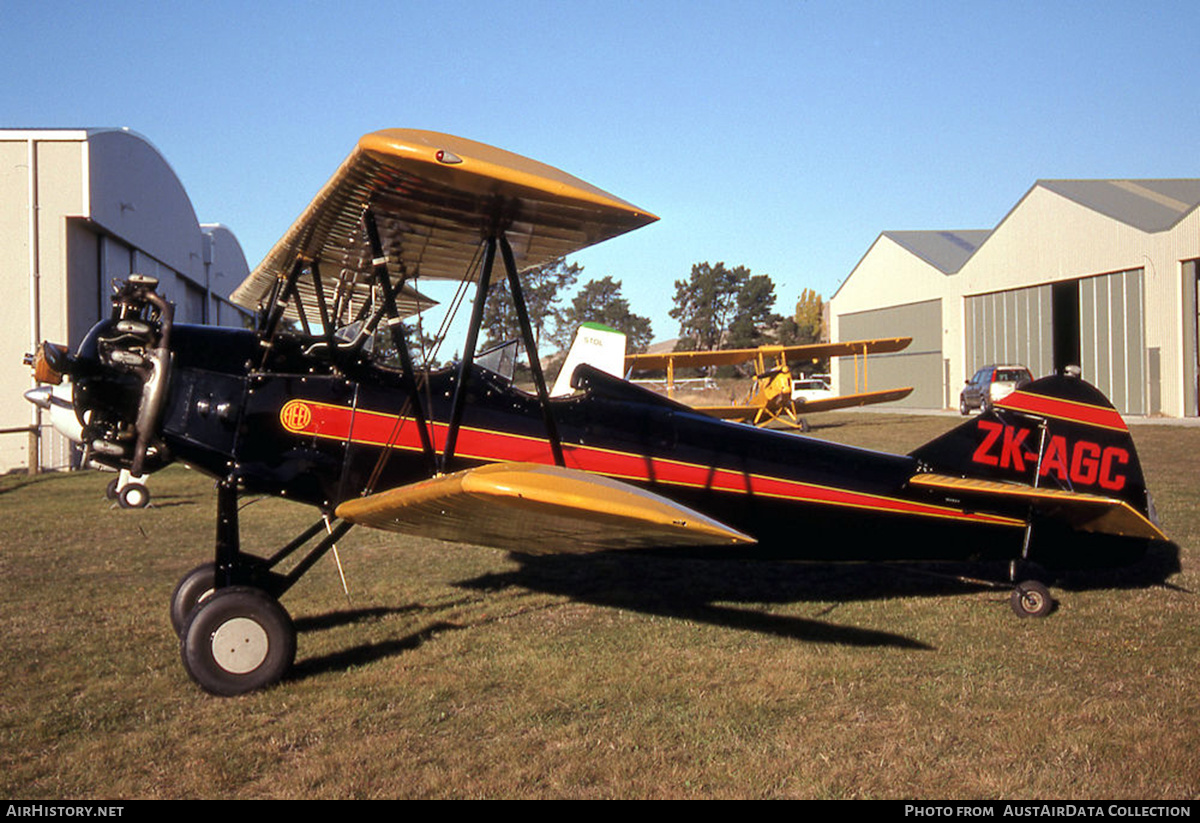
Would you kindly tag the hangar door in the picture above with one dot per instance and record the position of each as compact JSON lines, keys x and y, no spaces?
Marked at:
{"x":1097,"y":323}
{"x":1011,"y":328}
{"x":919,"y":366}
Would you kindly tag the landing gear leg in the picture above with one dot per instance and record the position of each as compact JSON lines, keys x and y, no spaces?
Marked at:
{"x":1030,"y":596}
{"x":234,"y":635}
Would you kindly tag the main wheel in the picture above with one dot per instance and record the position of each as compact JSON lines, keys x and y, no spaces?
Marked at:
{"x":238,"y":640}
{"x":196,"y":585}
{"x":1031,"y":599}
{"x":110,"y":491}
{"x":133,"y":496}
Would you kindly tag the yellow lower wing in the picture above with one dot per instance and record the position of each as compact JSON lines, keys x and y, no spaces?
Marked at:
{"x":761,"y":413}
{"x":850,"y":401}
{"x":1086,"y":512}
{"x":538,"y":509}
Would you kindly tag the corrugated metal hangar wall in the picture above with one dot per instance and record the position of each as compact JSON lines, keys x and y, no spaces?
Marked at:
{"x":920,"y":365}
{"x":78,"y":209}
{"x":1099,"y":274}
{"x":1096,"y":323}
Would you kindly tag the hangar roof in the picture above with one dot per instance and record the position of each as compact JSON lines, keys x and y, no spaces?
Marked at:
{"x":946,"y":250}
{"x":1149,"y":205}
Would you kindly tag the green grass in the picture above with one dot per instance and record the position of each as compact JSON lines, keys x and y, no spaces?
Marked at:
{"x":459,"y":671}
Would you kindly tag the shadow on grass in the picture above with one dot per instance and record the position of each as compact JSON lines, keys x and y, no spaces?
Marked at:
{"x":1161,"y":562}
{"x":702,"y":590}
{"x":367,"y":652}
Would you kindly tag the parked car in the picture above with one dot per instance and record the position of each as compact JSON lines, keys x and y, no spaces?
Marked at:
{"x":807,"y":389}
{"x":990,"y":384}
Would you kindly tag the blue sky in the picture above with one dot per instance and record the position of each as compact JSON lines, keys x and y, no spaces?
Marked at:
{"x":783,"y":136}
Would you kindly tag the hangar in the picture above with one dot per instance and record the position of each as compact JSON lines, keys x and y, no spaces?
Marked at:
{"x":1096,"y":273}
{"x":78,"y":208}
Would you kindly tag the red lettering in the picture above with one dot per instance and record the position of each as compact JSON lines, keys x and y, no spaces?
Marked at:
{"x":1056,"y":458}
{"x":1011,"y":453}
{"x":991,"y":435}
{"x":1085,"y":463}
{"x":1107,"y":479}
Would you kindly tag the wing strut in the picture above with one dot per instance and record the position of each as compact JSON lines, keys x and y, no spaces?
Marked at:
{"x":323,"y":307}
{"x":400,"y":339}
{"x":276,"y":303}
{"x":535,"y":364}
{"x":468,"y":356}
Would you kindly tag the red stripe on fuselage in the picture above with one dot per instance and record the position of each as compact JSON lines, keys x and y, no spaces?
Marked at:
{"x":1084,"y":413}
{"x":384,"y":430}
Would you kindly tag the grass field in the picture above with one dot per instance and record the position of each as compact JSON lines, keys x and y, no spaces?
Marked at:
{"x":467,"y":672}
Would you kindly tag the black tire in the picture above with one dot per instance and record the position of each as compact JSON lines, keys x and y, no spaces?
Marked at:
{"x":238,"y":640}
{"x":110,"y":491}
{"x":1031,"y":599}
{"x":133,"y":496}
{"x":196,"y":585}
{"x":962,"y":406}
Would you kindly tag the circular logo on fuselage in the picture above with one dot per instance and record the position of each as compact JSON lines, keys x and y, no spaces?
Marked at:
{"x":295,"y":415}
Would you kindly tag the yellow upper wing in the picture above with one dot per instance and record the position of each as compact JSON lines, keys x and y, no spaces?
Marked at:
{"x":538,"y":509}
{"x":434,"y":198}
{"x":734,"y":357}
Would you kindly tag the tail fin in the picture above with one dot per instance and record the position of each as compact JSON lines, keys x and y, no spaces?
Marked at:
{"x":1057,"y":432}
{"x":597,"y":346}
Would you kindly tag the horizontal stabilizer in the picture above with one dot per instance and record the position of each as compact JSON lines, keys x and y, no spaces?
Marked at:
{"x":1083,"y":512}
{"x":538,"y":509}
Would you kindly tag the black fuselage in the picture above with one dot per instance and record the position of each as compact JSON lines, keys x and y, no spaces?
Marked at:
{"x":320,"y":431}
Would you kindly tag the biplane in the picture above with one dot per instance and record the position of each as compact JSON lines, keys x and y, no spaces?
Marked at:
{"x":323,"y":403}
{"x":772,"y":398}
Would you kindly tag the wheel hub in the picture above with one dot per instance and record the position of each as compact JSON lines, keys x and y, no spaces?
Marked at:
{"x":240,"y":645}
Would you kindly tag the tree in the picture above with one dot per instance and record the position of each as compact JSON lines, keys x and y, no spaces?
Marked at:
{"x":541,"y":286}
{"x":809,"y":317}
{"x":421,"y":346}
{"x":706,"y":305}
{"x":600,"y":301}
{"x":755,"y":323}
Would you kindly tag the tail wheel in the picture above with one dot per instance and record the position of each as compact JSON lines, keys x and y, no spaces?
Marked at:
{"x":238,"y":640}
{"x":1031,"y":599}
{"x":195,"y":586}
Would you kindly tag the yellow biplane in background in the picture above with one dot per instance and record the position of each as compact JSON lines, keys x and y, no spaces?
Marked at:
{"x":773,"y":396}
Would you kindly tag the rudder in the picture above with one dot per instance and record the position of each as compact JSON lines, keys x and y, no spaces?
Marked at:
{"x":1057,"y":432}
